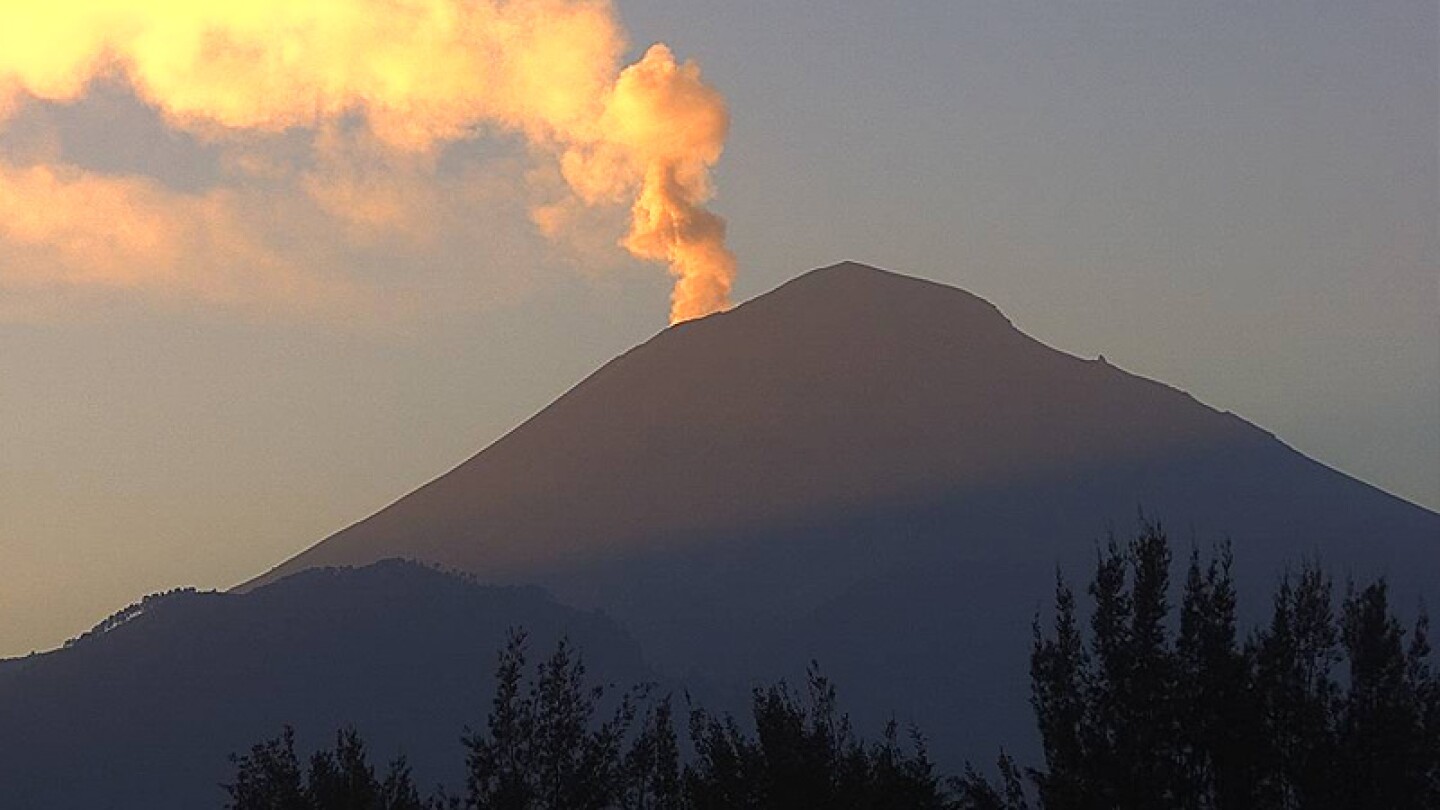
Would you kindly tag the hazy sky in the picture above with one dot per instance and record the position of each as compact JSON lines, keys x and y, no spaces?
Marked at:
{"x":1240,"y":199}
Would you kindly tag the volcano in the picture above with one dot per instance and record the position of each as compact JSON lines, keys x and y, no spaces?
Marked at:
{"x":880,"y":473}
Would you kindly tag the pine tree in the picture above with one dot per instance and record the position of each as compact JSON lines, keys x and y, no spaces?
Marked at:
{"x":1218,"y":731}
{"x":803,"y":750}
{"x":268,"y":778}
{"x":1135,"y":716}
{"x":726,"y":770}
{"x":805,"y":754}
{"x":1131,"y":733}
{"x":652,"y":779}
{"x":1059,"y":674}
{"x":1381,"y":728}
{"x":577,"y":762}
{"x":1135,"y":720}
{"x":1426,"y":688}
{"x":544,"y":749}
{"x":398,"y":790}
{"x":500,"y":766}
{"x":343,"y":778}
{"x":900,"y":779}
{"x":1297,"y":695}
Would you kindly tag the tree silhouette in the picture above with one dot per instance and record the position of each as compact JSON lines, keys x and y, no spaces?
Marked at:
{"x":1059,"y":676}
{"x":1319,"y":709}
{"x":270,"y":778}
{"x":1382,"y":734}
{"x":1141,"y":717}
{"x":1217,"y":740}
{"x":1297,"y":695}
{"x":542,"y":749}
{"x":804,"y":754}
{"x":653,"y":779}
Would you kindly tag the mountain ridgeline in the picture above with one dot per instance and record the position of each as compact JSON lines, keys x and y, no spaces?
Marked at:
{"x":1159,"y":702}
{"x":869,"y":470}
{"x":845,"y":389}
{"x":879,"y":472}
{"x":143,"y":714}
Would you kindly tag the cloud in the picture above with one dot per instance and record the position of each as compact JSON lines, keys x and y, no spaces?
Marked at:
{"x":380,"y":90}
{"x":63,"y":226}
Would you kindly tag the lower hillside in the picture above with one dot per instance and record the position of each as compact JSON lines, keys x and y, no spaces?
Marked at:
{"x":1148,"y":691}
{"x":1334,"y":704}
{"x":144,"y":711}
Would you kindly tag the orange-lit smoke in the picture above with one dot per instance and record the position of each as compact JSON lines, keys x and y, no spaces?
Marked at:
{"x":63,"y":226}
{"x":415,"y":75}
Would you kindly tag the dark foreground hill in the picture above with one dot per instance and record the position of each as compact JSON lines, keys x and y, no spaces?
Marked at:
{"x":882,"y":473}
{"x":145,"y":715}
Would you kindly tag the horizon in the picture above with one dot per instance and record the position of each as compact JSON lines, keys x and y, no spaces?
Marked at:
{"x":1242,"y":206}
{"x":268,"y":572}
{"x":264,"y":573}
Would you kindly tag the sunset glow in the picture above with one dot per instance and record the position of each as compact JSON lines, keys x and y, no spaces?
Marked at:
{"x":393,"y":82}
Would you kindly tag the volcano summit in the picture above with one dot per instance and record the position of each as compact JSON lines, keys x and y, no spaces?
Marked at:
{"x":872,"y":471}
{"x":879,"y":472}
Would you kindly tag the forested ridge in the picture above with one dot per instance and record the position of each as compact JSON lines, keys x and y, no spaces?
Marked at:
{"x":1333,"y":703}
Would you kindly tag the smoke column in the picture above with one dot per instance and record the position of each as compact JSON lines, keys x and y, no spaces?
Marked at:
{"x":414,"y":75}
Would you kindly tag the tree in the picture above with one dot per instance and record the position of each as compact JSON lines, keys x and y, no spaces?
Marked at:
{"x":544,"y":750}
{"x":1426,"y":682}
{"x":1382,"y":735}
{"x":499,"y":766}
{"x":1148,"y":709}
{"x":343,"y":777}
{"x":974,"y":792}
{"x":653,"y":779}
{"x":1059,"y":674}
{"x":1135,"y":718}
{"x":268,"y":778}
{"x":1217,"y":729}
{"x":1108,"y":715}
{"x":1297,"y":695}
{"x":805,"y":754}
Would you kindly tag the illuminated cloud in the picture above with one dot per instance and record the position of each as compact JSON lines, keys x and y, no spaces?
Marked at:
{"x":381,"y":88}
{"x":61,"y":226}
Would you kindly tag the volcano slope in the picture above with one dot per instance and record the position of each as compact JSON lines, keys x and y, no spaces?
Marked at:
{"x":882,"y":474}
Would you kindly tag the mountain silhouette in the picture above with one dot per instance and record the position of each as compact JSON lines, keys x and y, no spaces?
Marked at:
{"x":845,"y":387}
{"x":872,"y":471}
{"x":881,"y":473}
{"x":144,"y":715}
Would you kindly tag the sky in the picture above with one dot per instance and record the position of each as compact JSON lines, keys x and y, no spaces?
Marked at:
{"x":1241,"y":200}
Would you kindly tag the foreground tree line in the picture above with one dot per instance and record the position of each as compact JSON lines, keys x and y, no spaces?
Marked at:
{"x":1321,"y":708}
{"x":546,"y":747}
